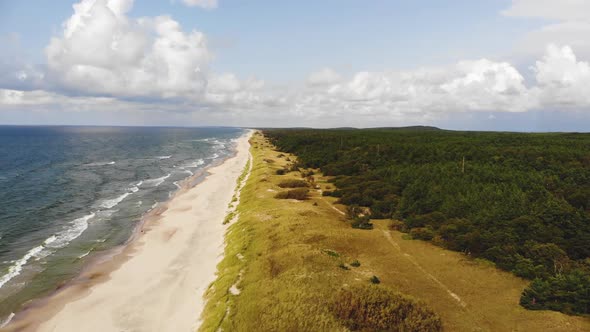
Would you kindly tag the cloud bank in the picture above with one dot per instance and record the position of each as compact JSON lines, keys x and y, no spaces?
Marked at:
{"x":104,"y":58}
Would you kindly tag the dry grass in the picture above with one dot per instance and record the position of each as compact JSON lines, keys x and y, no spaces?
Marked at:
{"x":284,"y":257}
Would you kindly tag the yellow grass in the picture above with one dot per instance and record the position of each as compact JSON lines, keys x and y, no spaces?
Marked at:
{"x":281,"y":267}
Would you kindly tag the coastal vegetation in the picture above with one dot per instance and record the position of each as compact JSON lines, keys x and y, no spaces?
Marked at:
{"x":521,"y":201}
{"x":289,"y":265}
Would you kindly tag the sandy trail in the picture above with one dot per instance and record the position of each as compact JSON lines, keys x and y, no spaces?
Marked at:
{"x":160,"y":285}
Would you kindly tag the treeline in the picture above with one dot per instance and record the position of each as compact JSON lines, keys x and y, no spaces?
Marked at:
{"x":519,"y":200}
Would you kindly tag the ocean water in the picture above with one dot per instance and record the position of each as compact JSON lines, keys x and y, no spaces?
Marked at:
{"x":69,"y":193}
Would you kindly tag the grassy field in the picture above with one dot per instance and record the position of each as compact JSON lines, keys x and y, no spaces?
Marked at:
{"x":285,"y":260}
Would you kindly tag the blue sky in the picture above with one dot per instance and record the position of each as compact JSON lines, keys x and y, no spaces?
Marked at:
{"x":303,"y":62}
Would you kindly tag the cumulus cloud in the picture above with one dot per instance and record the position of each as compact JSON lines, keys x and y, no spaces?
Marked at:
{"x":207,"y":4}
{"x":103,"y":51}
{"x":106,"y":59}
{"x":562,"y":80}
{"x":570,"y":24}
{"x":324,"y":76}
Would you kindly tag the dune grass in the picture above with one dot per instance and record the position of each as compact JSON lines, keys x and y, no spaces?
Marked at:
{"x":285,"y":258}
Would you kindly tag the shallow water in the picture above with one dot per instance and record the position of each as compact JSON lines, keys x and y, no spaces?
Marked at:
{"x":67,"y":193}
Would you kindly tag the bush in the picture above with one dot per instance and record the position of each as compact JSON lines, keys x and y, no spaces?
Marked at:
{"x":397,"y":225}
{"x":297,"y":193}
{"x":422,"y":233}
{"x":375,"y":280}
{"x":293,"y":183}
{"x":355,"y":263}
{"x":377,"y":308}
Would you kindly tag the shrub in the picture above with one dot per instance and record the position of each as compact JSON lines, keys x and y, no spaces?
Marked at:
{"x":331,"y":253}
{"x":422,"y":233}
{"x":397,"y":225}
{"x":355,"y":263}
{"x":377,"y":308}
{"x":343,"y":266}
{"x":375,"y":280}
{"x":281,"y":171}
{"x":297,"y":193}
{"x":293,"y":183}
{"x":362,"y":223}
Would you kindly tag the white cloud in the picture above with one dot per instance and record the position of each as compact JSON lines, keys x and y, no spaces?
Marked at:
{"x":562,"y":80}
{"x":208,"y":4}
{"x":569,"y":24}
{"x":563,"y":10}
{"x":102,"y":51}
{"x":324,"y":76}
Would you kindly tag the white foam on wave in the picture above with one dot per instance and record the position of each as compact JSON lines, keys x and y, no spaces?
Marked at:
{"x":7,"y":320}
{"x":164,"y":157}
{"x":84,"y":254}
{"x":57,"y":241}
{"x":17,"y":267}
{"x":75,"y":229}
{"x":110,"y":203}
{"x":101,"y":163}
{"x":156,"y":182}
{"x":195,"y":164}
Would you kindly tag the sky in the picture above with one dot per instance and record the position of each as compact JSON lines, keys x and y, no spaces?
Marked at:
{"x":516,"y":65}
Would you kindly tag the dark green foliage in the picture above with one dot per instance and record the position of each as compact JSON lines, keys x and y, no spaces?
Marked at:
{"x":297,"y":193}
{"x":422,"y":233}
{"x":358,"y":217}
{"x":355,"y":263}
{"x":293,"y":183}
{"x":281,"y":171}
{"x":376,"y":308}
{"x":521,"y":200}
{"x":375,"y":280}
{"x":569,"y":293}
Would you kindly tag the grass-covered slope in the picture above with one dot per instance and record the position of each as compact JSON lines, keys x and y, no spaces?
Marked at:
{"x":519,"y":200}
{"x":297,"y":265}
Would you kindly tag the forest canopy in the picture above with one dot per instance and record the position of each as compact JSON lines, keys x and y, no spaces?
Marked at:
{"x":520,"y":200}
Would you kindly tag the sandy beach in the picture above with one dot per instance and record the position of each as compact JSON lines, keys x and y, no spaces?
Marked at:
{"x":157,"y":282}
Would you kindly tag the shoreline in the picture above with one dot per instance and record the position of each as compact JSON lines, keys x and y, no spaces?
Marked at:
{"x":163,"y":241}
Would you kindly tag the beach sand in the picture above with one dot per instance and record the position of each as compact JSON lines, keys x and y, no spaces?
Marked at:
{"x":157,"y":282}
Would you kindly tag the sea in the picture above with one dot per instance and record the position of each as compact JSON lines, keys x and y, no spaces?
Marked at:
{"x":69,"y":193}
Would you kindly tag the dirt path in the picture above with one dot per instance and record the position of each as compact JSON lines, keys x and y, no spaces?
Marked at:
{"x":426,"y":273}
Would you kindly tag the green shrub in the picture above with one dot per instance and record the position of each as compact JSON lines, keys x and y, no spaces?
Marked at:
{"x":422,"y":233}
{"x":355,"y":263}
{"x":397,"y":225}
{"x":375,"y":280}
{"x":293,"y":183}
{"x":281,"y":171}
{"x":377,"y":308}
{"x":331,"y":253}
{"x":297,"y":193}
